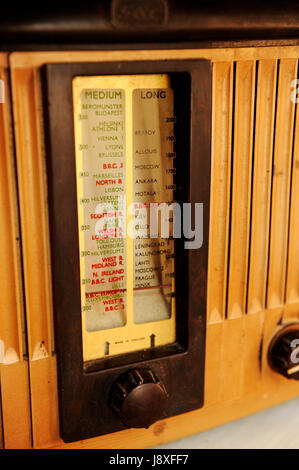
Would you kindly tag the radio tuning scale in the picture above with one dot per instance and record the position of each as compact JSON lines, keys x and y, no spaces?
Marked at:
{"x":124,"y":145}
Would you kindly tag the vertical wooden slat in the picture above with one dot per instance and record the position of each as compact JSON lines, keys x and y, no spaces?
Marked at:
{"x":220,"y":194}
{"x":10,"y":291}
{"x":262,"y":176}
{"x":31,"y":202}
{"x":14,"y":368}
{"x":281,"y":184}
{"x":292,"y":294}
{"x":36,"y":259}
{"x":251,"y":367}
{"x":241,"y":190}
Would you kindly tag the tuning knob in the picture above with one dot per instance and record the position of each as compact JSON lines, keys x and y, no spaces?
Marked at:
{"x":139,"y":398}
{"x":283,"y":353}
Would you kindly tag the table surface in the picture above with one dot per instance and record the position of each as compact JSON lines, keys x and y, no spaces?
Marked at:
{"x":274,"y":428}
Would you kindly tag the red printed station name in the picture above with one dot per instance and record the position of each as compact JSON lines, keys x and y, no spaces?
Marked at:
{"x":108,"y":270}
{"x":116,"y":303}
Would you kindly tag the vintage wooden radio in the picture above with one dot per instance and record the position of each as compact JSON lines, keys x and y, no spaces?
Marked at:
{"x":117,"y":122}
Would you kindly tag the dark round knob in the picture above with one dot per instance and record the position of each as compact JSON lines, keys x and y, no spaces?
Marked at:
{"x":139,"y":398}
{"x":283,"y":353}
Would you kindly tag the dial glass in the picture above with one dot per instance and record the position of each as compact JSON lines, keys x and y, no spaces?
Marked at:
{"x":125,"y":169}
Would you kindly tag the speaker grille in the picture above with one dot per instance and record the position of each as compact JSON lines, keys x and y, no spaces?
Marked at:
{"x":254,"y":228}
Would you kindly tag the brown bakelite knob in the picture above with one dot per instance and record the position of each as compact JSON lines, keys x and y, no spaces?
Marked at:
{"x":139,"y":398}
{"x":283,"y":353}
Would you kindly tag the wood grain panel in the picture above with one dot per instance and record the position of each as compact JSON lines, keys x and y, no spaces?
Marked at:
{"x":220,"y":196}
{"x":13,"y":368}
{"x":16,"y":405}
{"x":241,"y":188}
{"x":270,"y":388}
{"x":292,"y":294}
{"x":226,"y":54}
{"x":233,"y":344}
{"x":10,"y":292}
{"x":36,"y":259}
{"x":214,"y":356}
{"x":261,"y":193}
{"x":281,"y":184}
{"x":251,"y":371}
